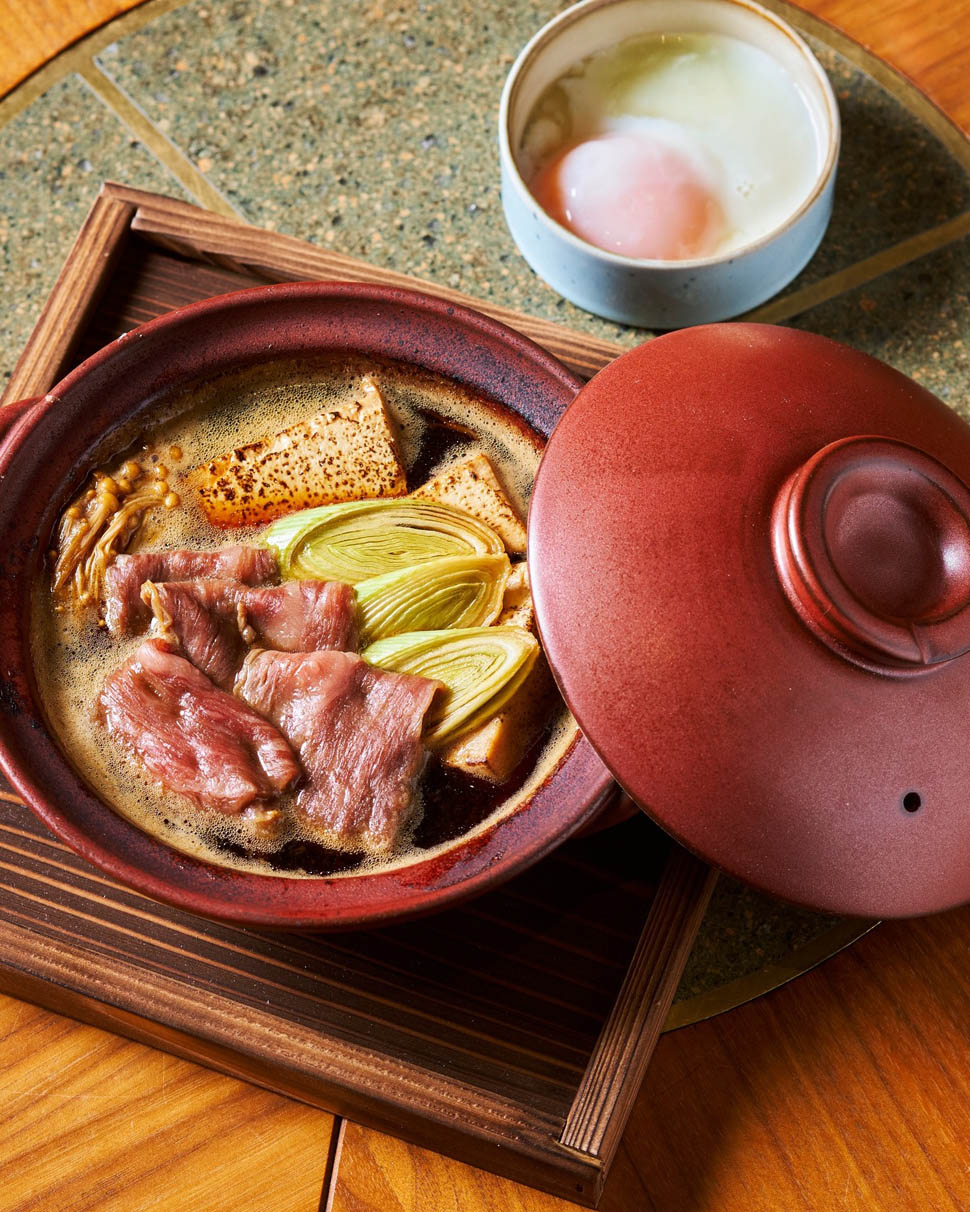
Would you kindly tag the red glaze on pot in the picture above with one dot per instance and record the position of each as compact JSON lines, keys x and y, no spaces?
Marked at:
{"x":750,"y":558}
{"x":50,"y":449}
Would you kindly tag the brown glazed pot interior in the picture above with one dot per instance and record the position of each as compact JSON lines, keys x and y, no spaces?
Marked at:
{"x":51,"y":449}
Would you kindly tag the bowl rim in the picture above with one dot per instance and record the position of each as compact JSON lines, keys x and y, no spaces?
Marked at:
{"x":552,"y":29}
{"x":55,"y":791}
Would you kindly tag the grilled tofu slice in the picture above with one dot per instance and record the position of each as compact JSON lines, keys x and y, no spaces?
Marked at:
{"x":517,"y":609}
{"x":472,"y":485}
{"x":348,"y":453}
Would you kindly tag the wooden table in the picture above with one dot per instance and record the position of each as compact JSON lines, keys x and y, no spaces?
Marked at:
{"x":848,"y":1089}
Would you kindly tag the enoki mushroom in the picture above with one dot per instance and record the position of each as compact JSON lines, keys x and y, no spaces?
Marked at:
{"x":100,"y":523}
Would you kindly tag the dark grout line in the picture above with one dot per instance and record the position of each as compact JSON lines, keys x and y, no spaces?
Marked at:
{"x":861,"y":272}
{"x":162,"y":148}
{"x":332,"y":1168}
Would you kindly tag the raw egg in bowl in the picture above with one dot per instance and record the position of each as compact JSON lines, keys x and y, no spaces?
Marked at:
{"x":666,"y":163}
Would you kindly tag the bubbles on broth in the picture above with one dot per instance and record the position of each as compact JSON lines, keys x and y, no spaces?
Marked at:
{"x":438,"y":423}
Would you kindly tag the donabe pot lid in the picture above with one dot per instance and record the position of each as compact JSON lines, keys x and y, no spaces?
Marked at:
{"x":750,"y":561}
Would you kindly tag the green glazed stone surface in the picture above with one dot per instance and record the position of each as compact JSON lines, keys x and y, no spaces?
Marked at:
{"x":917,"y":318}
{"x":372,"y":130}
{"x":53,"y":157}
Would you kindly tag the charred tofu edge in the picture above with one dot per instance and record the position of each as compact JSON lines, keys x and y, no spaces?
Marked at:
{"x":346,"y":453}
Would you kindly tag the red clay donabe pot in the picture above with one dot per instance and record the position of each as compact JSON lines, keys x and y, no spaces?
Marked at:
{"x":51,"y":447}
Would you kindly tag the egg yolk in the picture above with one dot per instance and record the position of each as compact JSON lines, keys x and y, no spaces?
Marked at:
{"x":634,"y":195}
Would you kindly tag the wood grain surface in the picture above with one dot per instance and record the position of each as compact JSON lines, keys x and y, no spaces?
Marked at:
{"x":927,"y":40}
{"x":77,"y":291}
{"x":847,"y":1090}
{"x":33,"y":31}
{"x":91,"y":1121}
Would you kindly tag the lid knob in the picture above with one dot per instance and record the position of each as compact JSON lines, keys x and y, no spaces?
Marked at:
{"x":871,"y":541}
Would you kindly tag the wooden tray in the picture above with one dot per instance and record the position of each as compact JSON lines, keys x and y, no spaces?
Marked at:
{"x":512,"y":1033}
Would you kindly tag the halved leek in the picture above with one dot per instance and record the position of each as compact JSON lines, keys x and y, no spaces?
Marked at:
{"x":481,"y":667}
{"x":361,"y":539}
{"x":452,"y":591}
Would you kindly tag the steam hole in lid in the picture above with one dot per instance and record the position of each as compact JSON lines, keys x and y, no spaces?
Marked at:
{"x":912,"y":801}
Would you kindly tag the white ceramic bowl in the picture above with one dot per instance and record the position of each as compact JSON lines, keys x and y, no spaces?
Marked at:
{"x":648,"y":293}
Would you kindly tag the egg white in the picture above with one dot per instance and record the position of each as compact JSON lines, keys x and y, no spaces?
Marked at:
{"x":728,"y":106}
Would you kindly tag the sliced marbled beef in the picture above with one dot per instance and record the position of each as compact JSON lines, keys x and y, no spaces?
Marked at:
{"x":202,"y":619}
{"x":357,"y":730}
{"x":215,"y":621}
{"x":124,"y":610}
{"x":303,"y":616}
{"x":196,"y":739}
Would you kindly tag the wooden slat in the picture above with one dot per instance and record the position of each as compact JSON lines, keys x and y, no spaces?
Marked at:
{"x":626,"y":1043}
{"x":470,"y":1032}
{"x":80,"y":284}
{"x":185,"y":229}
{"x":458,"y":962}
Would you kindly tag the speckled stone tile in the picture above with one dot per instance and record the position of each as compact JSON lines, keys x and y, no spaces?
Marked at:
{"x":371,"y":128}
{"x":53,"y":157}
{"x":917,"y":318}
{"x":895,"y":178}
{"x":742,"y":933}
